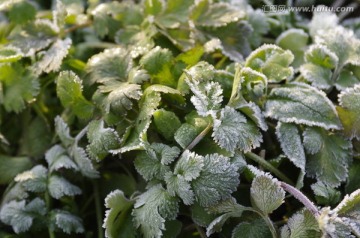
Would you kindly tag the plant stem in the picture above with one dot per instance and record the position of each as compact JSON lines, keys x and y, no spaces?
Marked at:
{"x":75,"y":27}
{"x":302,"y":198}
{"x":267,"y":220}
{"x":48,"y":206}
{"x":98,"y":209}
{"x":81,"y":134}
{"x":200,"y":230}
{"x":268,"y":166}
{"x":199,"y":137}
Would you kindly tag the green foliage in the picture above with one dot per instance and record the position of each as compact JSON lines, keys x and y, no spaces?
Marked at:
{"x":160,"y":109}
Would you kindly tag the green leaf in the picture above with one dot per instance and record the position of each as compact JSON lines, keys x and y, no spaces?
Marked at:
{"x":36,"y":139}
{"x":66,"y":221}
{"x":266,"y":193}
{"x":325,"y":195}
{"x":20,"y":215}
{"x":35,"y":36}
{"x":11,"y":166}
{"x":155,"y":161}
{"x":63,"y":132}
{"x":272,"y":61}
{"x":217,"y":180}
{"x":260,"y":25}
{"x":255,"y":84}
{"x":254,"y":112}
{"x":185,"y":135}
{"x":118,"y":216}
{"x":255,"y":229}
{"x":153,"y":7}
{"x":178,"y":185}
{"x":22,"y":12}
{"x":59,"y":187}
{"x":230,"y":208}
{"x":69,"y":90}
{"x":329,"y":156}
{"x":232,"y":131}
{"x":10,"y":54}
{"x":290,"y":142}
{"x":208,"y":14}
{"x":167,"y":123}
{"x":345,"y":45}
{"x":101,"y":140}
{"x":349,"y":111}
{"x":110,"y":65}
{"x":57,"y":159}
{"x":295,"y":40}
{"x":302,"y":104}
{"x":151,"y":210}
{"x":52,"y":59}
{"x":19,"y":86}
{"x":301,"y":225}
{"x":34,"y":180}
{"x":83,"y":162}
{"x":232,"y":39}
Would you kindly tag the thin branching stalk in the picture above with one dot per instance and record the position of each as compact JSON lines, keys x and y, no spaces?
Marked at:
{"x":302,"y":198}
{"x":99,"y":212}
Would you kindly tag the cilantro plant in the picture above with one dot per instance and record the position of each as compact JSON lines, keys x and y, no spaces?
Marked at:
{"x":178,"y":118}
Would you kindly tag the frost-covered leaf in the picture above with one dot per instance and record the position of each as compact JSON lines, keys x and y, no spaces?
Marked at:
{"x":254,"y":112}
{"x":301,"y":225}
{"x":329,"y":156}
{"x":232,"y":130}
{"x":117,"y":96}
{"x":207,"y":97}
{"x":345,"y":45}
{"x":101,"y":140}
{"x":350,"y":206}
{"x":66,"y":221}
{"x":290,"y":142}
{"x":35,"y":36}
{"x":167,"y":123}
{"x":57,"y":158}
{"x":255,"y":229}
{"x":10,"y":54}
{"x":118,"y":206}
{"x":260,"y":25}
{"x":19,"y":86}
{"x":59,"y":187}
{"x":83,"y":162}
{"x":155,"y":161}
{"x":189,"y":165}
{"x":63,"y":132}
{"x":178,"y":185}
{"x":69,"y":90}
{"x":325,"y":195}
{"x":51,"y":59}
{"x":206,"y":13}
{"x":34,"y":180}
{"x":185,"y":135}
{"x":296,"y":41}
{"x":302,"y":104}
{"x":20,"y":215}
{"x":266,"y":193}
{"x":148,"y":105}
{"x":152,"y":209}
{"x":322,"y":20}
{"x":272,"y":61}
{"x":349,"y":111}
{"x":217,"y":180}
{"x":232,"y":39}
{"x":11,"y":166}
{"x":255,"y":84}
{"x":110,"y":65}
